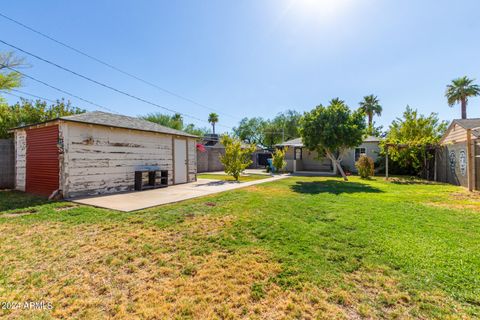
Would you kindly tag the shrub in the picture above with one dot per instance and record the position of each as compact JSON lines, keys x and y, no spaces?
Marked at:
{"x":365,"y":166}
{"x":278,"y":159}
{"x":237,"y":157}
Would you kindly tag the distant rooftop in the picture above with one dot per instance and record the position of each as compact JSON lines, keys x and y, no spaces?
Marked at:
{"x":119,"y":121}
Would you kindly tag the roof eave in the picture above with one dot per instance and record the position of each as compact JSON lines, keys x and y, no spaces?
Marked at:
{"x":177,"y":133}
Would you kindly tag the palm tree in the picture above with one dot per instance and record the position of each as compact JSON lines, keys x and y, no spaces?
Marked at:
{"x":213,"y":118}
{"x":459,"y":91}
{"x":370,"y":105}
{"x":337,"y":101}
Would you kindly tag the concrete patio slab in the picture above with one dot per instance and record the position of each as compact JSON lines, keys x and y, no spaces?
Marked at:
{"x":137,"y":200}
{"x":245,"y":173}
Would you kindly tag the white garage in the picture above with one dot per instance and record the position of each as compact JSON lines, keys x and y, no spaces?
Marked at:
{"x":97,"y":153}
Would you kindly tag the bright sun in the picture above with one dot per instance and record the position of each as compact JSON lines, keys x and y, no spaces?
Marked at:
{"x":320,"y":8}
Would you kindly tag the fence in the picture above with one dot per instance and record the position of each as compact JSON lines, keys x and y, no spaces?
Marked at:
{"x":7,"y":164}
{"x":452,"y":164}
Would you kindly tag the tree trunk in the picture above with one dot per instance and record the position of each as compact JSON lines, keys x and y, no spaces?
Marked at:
{"x":336,"y":164}
{"x":464,"y":108}
{"x":370,"y":120}
{"x":213,"y":125}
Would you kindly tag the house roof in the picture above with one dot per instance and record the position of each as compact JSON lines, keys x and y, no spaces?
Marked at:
{"x":297,"y":142}
{"x":118,"y":121}
{"x":468,"y":123}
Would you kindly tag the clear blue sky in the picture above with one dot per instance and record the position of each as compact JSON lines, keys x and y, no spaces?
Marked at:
{"x":254,"y":57}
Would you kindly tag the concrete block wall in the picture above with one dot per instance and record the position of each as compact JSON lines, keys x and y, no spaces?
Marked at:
{"x":209,"y":160}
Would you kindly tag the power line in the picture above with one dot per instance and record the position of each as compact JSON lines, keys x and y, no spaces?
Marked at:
{"x":13,"y":94}
{"x":115,"y":68}
{"x":31,"y":95}
{"x":21,"y":97}
{"x":102,"y":84}
{"x":60,"y":90}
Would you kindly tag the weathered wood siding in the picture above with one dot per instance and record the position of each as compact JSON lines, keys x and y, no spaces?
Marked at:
{"x":456,"y":134}
{"x":101,"y":160}
{"x":20,"y":159}
{"x":192,"y":160}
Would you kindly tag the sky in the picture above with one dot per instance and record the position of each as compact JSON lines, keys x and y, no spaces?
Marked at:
{"x":250,"y":58}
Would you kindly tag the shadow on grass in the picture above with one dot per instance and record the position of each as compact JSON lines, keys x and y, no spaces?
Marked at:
{"x":409,"y":181}
{"x":13,"y":200}
{"x":333,"y":187}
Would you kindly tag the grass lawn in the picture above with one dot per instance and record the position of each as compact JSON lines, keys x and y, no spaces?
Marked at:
{"x":243,"y":178}
{"x":294,"y":248}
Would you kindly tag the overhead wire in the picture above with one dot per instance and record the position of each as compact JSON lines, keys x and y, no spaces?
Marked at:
{"x":83,"y":53}
{"x":104,"y":85}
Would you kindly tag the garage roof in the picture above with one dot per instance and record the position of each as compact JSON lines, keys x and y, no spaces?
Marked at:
{"x":119,"y":121}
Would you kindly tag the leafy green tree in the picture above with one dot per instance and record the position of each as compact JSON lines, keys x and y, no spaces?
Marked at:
{"x":213,"y":119}
{"x":267,"y":133}
{"x":331,"y":130}
{"x":408,"y":138}
{"x":27,"y":112}
{"x":237,"y":156}
{"x":459,"y":91}
{"x":370,"y":106}
{"x":278,"y":159}
{"x":175,"y":122}
{"x":251,"y":130}
{"x":284,"y":126}
{"x":198,"y":131}
{"x":9,"y":79}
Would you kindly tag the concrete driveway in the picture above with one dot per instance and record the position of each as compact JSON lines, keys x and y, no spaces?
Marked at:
{"x":138,"y":200}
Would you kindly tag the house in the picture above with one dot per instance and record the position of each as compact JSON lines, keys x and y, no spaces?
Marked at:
{"x":96,"y":153}
{"x":209,"y":159}
{"x":457,"y":158}
{"x":299,"y":158}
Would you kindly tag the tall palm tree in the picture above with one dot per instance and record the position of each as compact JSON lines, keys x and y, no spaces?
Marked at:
{"x":370,"y":105}
{"x":213,"y":118}
{"x":459,"y":91}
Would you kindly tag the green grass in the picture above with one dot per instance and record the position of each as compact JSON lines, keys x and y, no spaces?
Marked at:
{"x":296,"y":247}
{"x":224,"y":177}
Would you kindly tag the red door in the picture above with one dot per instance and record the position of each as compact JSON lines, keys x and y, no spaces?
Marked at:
{"x":42,"y":161}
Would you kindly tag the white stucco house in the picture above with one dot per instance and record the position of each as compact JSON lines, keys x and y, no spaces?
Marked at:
{"x":300,"y":159}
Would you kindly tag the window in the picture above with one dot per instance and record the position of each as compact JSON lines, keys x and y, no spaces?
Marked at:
{"x":298,"y":154}
{"x":359,"y":152}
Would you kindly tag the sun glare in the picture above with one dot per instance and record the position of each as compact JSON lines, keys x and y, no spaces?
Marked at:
{"x":321,"y":8}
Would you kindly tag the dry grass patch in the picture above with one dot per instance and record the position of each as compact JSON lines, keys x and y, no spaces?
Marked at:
{"x":460,"y":201}
{"x":294,"y":249}
{"x":125,"y":271}
{"x":92,"y":271}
